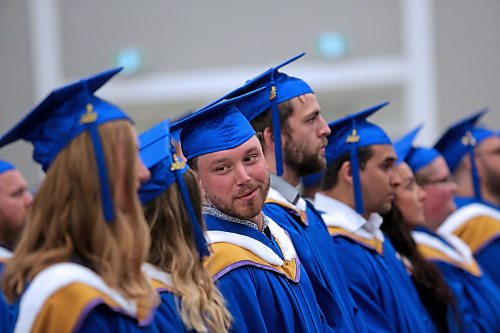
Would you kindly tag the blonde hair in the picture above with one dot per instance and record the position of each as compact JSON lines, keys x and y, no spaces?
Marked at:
{"x":65,"y":221}
{"x":173,"y":250}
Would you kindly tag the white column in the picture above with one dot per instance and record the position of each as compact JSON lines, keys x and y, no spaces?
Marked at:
{"x":46,"y":52}
{"x":420,"y":88}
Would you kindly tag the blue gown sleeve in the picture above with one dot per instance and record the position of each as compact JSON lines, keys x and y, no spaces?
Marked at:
{"x":240,"y":295}
{"x":478,"y":300}
{"x":488,"y":260}
{"x":167,"y":317}
{"x":5,"y":315}
{"x":103,"y":319}
{"x":363,"y":287}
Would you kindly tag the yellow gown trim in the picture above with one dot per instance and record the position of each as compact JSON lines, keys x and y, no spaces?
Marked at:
{"x":300,"y":213}
{"x":225,"y":255}
{"x":431,"y":253}
{"x":62,"y":310}
{"x":373,"y":243}
{"x":478,"y":231}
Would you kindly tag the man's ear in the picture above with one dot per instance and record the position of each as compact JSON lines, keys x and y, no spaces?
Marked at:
{"x":345,"y":172}
{"x":466,"y":162}
{"x":268,"y":138}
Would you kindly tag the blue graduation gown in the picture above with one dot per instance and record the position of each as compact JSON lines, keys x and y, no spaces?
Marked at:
{"x":5,"y":315}
{"x":464,"y":201}
{"x":261,"y":296}
{"x":105,"y":319}
{"x":167,"y":317}
{"x":67,"y":297}
{"x":478,"y":298}
{"x":379,"y":282}
{"x":319,"y":258}
{"x":478,"y":225}
{"x":7,"y":312}
{"x":382,"y":288}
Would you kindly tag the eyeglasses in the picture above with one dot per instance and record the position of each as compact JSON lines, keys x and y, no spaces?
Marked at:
{"x":445,"y":180}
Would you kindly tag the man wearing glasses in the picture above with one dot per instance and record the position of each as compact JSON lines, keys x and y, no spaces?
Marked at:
{"x":473,"y":157}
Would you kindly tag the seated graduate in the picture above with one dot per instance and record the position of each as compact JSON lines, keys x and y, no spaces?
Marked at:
{"x":473,"y":156}
{"x":477,"y":297}
{"x":292,"y":132}
{"x":407,"y":211}
{"x":172,"y":206}
{"x":358,"y":185}
{"x":254,"y":261}
{"x":14,"y":202}
{"x":77,"y":266}
{"x":15,"y":199}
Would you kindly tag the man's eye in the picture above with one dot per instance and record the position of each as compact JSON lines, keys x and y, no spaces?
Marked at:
{"x":252,"y":158}
{"x":311,"y":120}
{"x":222,"y":168}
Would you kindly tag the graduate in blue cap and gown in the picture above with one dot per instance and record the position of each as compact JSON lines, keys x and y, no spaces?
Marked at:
{"x":473,"y":156}
{"x":14,"y":202}
{"x":358,"y":185}
{"x":253,"y":259}
{"x":77,"y":266}
{"x":190,"y":302}
{"x":477,"y":297}
{"x":15,"y":199}
{"x":288,"y":106}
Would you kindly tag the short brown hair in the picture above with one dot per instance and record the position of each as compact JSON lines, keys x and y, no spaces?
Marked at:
{"x":331,"y":176}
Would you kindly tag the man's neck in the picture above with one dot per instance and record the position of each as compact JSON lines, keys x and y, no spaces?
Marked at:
{"x":467,"y":191}
{"x":258,"y":220}
{"x":489,"y":197}
{"x":288,"y":175}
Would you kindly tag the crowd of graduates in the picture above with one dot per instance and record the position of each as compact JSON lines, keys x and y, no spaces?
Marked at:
{"x":250,"y":214}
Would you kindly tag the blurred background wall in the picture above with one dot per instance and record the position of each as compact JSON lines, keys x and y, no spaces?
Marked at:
{"x":435,"y":61}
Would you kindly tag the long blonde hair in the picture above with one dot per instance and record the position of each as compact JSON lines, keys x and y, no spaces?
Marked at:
{"x":173,"y":250}
{"x":66,"y":223}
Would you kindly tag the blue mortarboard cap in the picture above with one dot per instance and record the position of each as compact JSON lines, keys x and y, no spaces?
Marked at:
{"x":5,"y":166}
{"x":279,"y":88}
{"x":158,"y":154}
{"x":214,"y":128}
{"x":415,"y":157}
{"x":458,"y":141}
{"x":63,"y":115}
{"x":405,"y":144}
{"x":481,"y":134}
{"x":419,"y":157}
{"x":350,"y":133}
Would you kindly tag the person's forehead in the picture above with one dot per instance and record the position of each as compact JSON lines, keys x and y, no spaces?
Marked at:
{"x":12,"y":178}
{"x":438,"y":167}
{"x":304,"y":104}
{"x":232,"y":153}
{"x":404,"y":171}
{"x":489,"y":143}
{"x":383,"y":151}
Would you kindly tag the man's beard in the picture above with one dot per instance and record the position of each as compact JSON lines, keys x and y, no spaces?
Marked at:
{"x":301,"y":161}
{"x":251,"y":209}
{"x":492,"y":181}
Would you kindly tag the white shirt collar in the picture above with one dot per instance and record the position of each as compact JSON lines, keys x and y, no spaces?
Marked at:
{"x":338,"y":214}
{"x":5,"y":253}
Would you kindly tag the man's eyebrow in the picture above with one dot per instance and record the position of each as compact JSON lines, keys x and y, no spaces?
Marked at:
{"x":252,"y":150}
{"x":219,"y":160}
